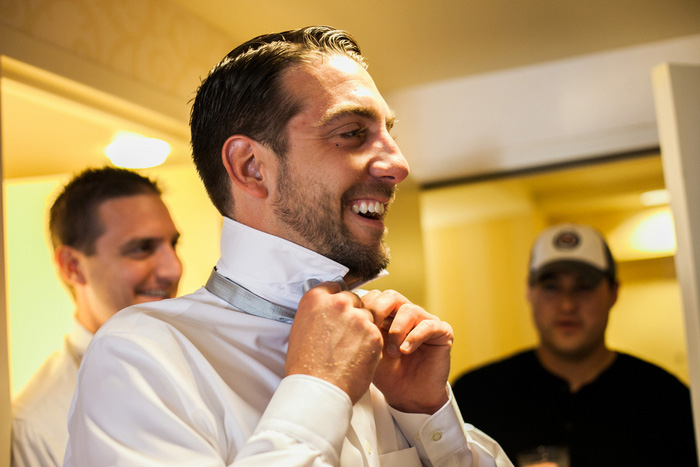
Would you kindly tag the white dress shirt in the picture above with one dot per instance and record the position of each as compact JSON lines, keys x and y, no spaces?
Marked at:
{"x":40,"y":409}
{"x":193,"y":381}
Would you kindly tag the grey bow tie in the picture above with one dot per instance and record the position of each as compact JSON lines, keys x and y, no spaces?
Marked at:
{"x":246,"y":301}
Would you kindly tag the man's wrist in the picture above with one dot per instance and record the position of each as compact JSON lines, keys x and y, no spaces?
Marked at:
{"x":424,"y":406}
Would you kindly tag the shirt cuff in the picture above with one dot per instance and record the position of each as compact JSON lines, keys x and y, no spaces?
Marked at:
{"x":437,"y":436}
{"x":310,"y":410}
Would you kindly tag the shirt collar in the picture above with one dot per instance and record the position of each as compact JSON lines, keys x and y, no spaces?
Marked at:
{"x":79,"y":338}
{"x":270,"y":266}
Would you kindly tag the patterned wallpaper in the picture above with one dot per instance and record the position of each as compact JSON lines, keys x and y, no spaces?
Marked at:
{"x":151,"y":41}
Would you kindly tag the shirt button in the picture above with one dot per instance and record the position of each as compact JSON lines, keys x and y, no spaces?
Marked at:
{"x":436,"y":436}
{"x":368,"y":447}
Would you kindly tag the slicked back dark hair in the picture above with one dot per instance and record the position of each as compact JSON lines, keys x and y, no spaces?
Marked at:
{"x":244,"y":95}
{"x":74,"y":217}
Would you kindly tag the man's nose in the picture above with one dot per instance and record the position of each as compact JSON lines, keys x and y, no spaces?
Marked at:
{"x":389,"y":164}
{"x":566,"y":301}
{"x":169,"y":265}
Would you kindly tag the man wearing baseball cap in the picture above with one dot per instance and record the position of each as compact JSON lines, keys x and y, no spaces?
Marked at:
{"x":572,"y":392}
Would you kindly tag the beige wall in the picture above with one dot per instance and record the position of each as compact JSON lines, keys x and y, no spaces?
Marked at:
{"x":477,"y":239}
{"x":477,"y":286}
{"x":37,"y":320}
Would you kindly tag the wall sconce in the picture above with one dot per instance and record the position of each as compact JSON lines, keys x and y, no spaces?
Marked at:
{"x":649,"y":234}
{"x":134,"y":151}
{"x":655,"y":234}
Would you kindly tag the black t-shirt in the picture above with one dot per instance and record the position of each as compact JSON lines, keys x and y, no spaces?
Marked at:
{"x":635,"y":414}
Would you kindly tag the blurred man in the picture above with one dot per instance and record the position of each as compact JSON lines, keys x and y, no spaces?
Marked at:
{"x":114,"y":246}
{"x":604,"y":407}
{"x":277,"y":362}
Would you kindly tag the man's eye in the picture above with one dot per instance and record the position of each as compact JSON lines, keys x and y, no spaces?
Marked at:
{"x":358,"y":133}
{"x":141,"y":250}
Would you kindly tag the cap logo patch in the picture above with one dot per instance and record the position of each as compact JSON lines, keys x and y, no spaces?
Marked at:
{"x":566,"y":240}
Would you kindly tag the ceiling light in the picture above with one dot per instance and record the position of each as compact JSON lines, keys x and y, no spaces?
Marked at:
{"x":134,"y":151}
{"x":655,"y":198}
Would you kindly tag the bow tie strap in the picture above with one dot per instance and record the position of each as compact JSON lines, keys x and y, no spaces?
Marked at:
{"x":246,"y":301}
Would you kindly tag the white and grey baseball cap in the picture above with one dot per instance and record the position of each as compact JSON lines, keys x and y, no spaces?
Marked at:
{"x":573,"y":246}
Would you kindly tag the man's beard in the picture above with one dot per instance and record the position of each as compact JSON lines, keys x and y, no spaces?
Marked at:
{"x":313,"y":216}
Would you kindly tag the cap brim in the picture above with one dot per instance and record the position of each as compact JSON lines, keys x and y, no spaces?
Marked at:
{"x":587,"y":271}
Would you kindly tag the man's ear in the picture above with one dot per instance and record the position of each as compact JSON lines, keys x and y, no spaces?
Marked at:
{"x":68,"y":260}
{"x":614,"y":291}
{"x":245,"y":165}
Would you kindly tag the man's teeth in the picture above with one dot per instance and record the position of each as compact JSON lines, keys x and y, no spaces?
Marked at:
{"x":155,"y":293}
{"x":372,"y":207}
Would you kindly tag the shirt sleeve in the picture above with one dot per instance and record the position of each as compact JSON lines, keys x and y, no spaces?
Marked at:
{"x":288,"y":432}
{"x":444,"y":440}
{"x":29,"y":448}
{"x":141,"y":406}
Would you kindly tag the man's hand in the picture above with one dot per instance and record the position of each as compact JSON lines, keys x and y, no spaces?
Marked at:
{"x":334,"y":338}
{"x":413,"y":373}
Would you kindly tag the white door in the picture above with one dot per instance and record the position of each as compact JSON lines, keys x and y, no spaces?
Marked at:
{"x":677,"y":97}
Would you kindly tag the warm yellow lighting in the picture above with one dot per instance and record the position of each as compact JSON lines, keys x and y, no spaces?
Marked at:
{"x":647,"y":234}
{"x":655,"y":234}
{"x":655,"y":198}
{"x":134,"y":151}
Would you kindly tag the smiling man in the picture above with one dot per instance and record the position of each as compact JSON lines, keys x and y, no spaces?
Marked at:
{"x":280,"y":360}
{"x":114,"y":246}
{"x":572,"y":392}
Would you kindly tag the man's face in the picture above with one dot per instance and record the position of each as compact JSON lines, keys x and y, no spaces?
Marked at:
{"x":342,"y":165}
{"x":134,"y":260}
{"x":571,"y":312}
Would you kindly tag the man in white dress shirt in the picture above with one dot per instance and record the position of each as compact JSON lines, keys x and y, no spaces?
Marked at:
{"x":275,"y":362}
{"x":114,"y":246}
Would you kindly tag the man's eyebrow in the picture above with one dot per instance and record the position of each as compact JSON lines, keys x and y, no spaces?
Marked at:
{"x":339,"y":113}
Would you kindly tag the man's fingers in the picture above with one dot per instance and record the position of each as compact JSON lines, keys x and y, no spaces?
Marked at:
{"x":357,"y":302}
{"x":341,"y":295}
{"x":407,"y":326}
{"x":333,"y":337}
{"x":383,"y":306}
{"x":427,"y":332}
{"x":411,"y":327}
